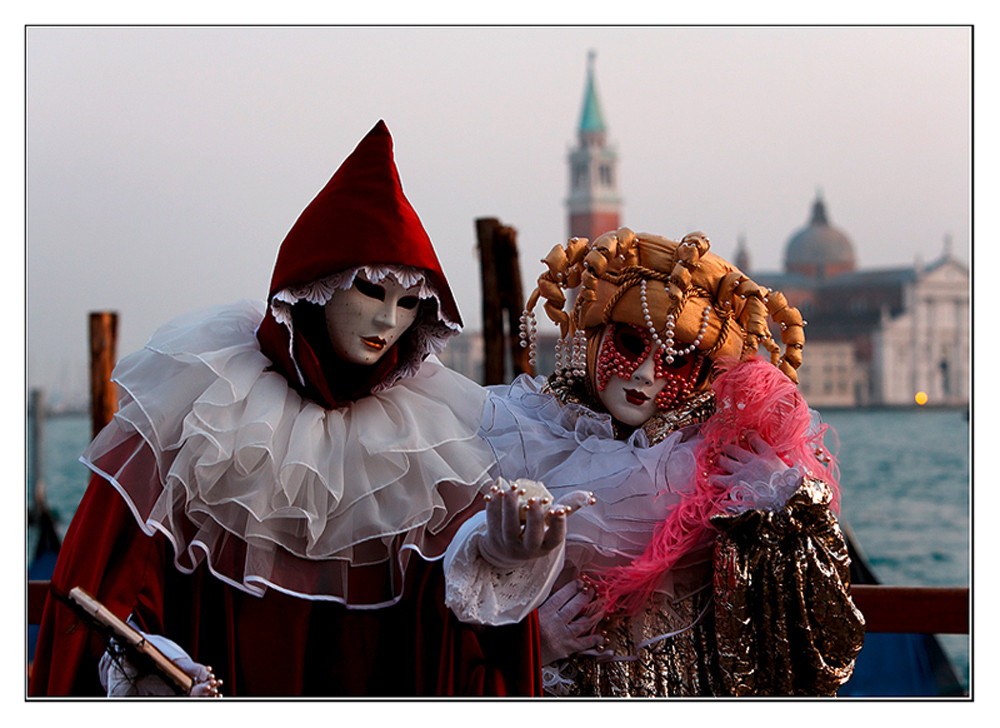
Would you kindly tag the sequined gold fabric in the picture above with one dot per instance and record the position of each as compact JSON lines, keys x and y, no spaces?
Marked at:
{"x":778,"y":619}
{"x":785,"y":622}
{"x":695,"y":410}
{"x":682,"y":665}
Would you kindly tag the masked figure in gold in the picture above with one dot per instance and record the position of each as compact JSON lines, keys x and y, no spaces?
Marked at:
{"x":711,"y":562}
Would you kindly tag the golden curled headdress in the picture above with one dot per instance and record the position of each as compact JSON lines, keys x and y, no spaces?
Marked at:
{"x":686,"y":297}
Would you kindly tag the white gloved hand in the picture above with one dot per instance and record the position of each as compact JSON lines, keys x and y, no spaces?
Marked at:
{"x":121,"y":678}
{"x":520,"y":526}
{"x":206,"y":685}
{"x":755,"y":476}
{"x":566,"y":621}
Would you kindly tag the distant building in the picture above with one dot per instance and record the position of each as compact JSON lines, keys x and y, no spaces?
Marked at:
{"x":594,"y":204}
{"x":874,"y":337}
{"x":593,"y":207}
{"x":819,"y":250}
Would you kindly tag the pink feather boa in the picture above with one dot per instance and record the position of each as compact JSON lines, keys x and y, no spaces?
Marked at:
{"x":751,"y":396}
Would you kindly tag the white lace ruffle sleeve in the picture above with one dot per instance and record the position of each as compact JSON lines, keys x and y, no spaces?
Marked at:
{"x":480,"y":592}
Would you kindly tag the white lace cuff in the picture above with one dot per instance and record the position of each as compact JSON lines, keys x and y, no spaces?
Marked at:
{"x":480,"y":593}
{"x":766,"y":491}
{"x":554,"y":682}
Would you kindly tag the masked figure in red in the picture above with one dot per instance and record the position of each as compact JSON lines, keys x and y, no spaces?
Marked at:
{"x":275,"y":494}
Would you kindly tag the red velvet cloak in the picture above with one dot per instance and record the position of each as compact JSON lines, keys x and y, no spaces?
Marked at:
{"x":275,"y":645}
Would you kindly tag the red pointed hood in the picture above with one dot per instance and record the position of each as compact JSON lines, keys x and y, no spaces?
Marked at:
{"x":360,"y":218}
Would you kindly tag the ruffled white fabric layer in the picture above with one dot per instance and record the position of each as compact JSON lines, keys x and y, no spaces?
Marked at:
{"x":569,"y":447}
{"x":270,"y":489}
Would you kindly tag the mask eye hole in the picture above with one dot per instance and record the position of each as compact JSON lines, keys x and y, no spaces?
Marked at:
{"x":680,"y":361}
{"x":630,"y":341}
{"x":408,"y":302}
{"x":367,"y":288}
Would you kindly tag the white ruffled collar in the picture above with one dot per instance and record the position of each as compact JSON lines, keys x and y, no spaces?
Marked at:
{"x":272,"y":490}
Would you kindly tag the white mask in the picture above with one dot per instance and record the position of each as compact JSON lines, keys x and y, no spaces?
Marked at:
{"x":365,"y":320}
{"x":632,"y":400}
{"x":633,"y":380}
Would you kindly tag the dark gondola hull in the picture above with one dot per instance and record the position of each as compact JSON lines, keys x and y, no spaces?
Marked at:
{"x":897,"y":664}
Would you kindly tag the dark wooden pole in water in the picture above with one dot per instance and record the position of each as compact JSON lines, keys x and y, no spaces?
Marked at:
{"x":492,"y":313}
{"x":511,"y":297}
{"x":38,"y":500}
{"x":502,"y":296}
{"x":103,"y":345}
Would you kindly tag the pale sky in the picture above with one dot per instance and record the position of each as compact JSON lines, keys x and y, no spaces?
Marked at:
{"x":164,"y":165}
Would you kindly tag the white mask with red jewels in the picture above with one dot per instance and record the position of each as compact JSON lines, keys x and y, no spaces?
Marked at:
{"x":365,"y":320}
{"x":634,"y":380}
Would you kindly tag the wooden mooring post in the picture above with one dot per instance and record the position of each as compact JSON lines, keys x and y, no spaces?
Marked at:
{"x":37,"y":414}
{"x":502,"y":300}
{"x":103,"y":346}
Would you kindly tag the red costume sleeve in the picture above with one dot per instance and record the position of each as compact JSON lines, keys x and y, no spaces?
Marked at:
{"x":106,"y":554}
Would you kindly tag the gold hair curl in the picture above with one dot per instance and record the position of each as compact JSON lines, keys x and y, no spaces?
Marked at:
{"x":626,"y":277}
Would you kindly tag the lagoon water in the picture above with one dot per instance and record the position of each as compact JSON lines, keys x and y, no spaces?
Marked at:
{"x":907,"y":498}
{"x":905,"y":480}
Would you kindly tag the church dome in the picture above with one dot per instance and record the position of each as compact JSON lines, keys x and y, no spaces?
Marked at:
{"x":819,"y":250}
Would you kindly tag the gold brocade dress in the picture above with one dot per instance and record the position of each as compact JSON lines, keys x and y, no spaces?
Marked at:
{"x":767,"y":612}
{"x":777,"y":619}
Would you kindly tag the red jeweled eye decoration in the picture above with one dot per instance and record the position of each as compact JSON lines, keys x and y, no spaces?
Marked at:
{"x":626,"y":347}
{"x":679,"y":362}
{"x":623,"y":350}
{"x":632,"y":342}
{"x":679,"y":383}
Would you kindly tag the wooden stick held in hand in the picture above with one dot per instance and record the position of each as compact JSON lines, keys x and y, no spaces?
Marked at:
{"x":131,"y":638}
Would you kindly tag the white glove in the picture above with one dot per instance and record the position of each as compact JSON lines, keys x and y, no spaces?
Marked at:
{"x":121,"y":678}
{"x":206,"y":685}
{"x":520,"y":526}
{"x":566,"y":621}
{"x":755,"y":477}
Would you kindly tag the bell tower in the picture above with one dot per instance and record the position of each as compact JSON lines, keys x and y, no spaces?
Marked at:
{"x":594,"y":203}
